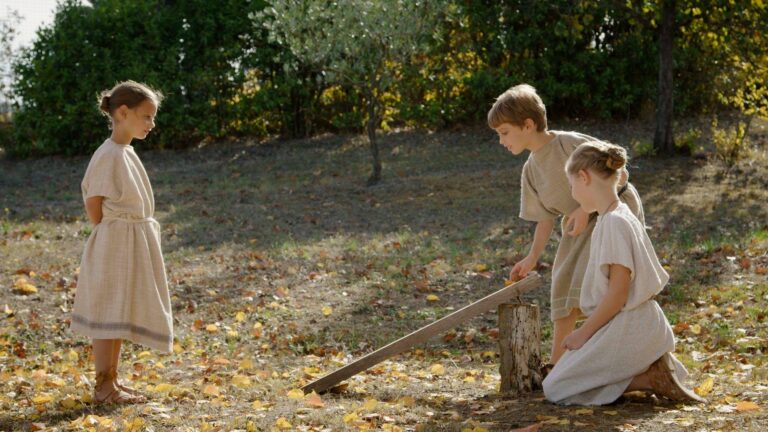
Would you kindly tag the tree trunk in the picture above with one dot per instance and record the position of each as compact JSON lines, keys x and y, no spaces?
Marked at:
{"x":519,"y":347}
{"x":371,"y":129}
{"x":663,"y":139}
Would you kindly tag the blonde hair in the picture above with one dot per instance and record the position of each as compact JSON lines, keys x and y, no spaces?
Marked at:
{"x":600,"y":157}
{"x":128,"y":93}
{"x":517,"y":104}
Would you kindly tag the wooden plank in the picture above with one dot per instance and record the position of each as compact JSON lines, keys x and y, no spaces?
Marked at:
{"x":532,"y":281}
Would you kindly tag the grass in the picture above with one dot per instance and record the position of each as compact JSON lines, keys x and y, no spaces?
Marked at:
{"x":279,"y":231}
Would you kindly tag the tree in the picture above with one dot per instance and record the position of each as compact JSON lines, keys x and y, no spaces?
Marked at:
{"x":355,"y":42}
{"x":8,"y":25}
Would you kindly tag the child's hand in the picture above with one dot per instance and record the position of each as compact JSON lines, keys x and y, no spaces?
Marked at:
{"x":577,"y":221}
{"x":576,"y":340}
{"x":521,"y":269}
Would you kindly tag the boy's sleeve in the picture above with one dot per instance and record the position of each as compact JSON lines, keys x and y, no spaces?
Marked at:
{"x":104,"y":177}
{"x":531,"y":207}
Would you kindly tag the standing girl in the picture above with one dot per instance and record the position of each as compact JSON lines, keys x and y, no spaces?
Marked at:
{"x":626,"y":342}
{"x":122,"y":292}
{"x":520,"y":118}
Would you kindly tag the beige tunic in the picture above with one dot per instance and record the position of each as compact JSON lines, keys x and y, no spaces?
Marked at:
{"x":600,"y":371}
{"x":122,"y":291}
{"x":545,"y":195}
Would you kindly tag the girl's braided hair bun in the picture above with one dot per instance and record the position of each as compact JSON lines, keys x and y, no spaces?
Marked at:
{"x":603,"y":158}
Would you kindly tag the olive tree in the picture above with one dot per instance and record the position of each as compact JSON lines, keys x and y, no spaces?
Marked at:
{"x":361,"y":43}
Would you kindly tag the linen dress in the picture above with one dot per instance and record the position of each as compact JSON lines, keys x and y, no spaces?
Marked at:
{"x":122,"y":290}
{"x":546,"y":195}
{"x":600,"y":371}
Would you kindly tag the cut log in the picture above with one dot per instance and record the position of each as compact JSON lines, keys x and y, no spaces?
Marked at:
{"x":519,"y":348}
{"x":487,"y":303}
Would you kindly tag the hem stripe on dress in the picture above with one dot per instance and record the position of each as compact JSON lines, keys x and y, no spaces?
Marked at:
{"x":121,"y":326}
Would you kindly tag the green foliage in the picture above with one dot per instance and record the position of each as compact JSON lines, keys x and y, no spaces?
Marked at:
{"x":192,"y":51}
{"x":301,"y":67}
{"x":731,"y":144}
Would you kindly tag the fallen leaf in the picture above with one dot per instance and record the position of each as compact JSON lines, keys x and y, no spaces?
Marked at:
{"x":437,"y":369}
{"x":314,"y":400}
{"x":531,"y":428}
{"x":745,"y":406}
{"x":327,"y":310}
{"x":432,"y":298}
{"x":296,"y":394}
{"x":282,"y":423}
{"x":705,"y":388}
{"x":211,"y":390}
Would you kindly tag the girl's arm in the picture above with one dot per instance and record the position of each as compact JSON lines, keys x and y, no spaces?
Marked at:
{"x":540,"y":238}
{"x":93,"y":208}
{"x":614,"y":300}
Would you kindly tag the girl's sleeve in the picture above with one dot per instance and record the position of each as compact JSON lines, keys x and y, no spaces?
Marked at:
{"x":617,"y":247}
{"x":104,"y":177}
{"x":531,"y":207}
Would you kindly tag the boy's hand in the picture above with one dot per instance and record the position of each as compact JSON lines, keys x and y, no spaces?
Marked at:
{"x":577,"y":221}
{"x":521,"y":269}
{"x":576,"y":340}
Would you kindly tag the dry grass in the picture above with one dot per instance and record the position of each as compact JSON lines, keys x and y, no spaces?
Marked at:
{"x":278,"y":231}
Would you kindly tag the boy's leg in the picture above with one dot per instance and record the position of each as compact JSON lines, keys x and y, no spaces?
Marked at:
{"x":561,"y":329}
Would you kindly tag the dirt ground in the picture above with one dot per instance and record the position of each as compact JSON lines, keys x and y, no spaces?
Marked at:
{"x":284,"y":266}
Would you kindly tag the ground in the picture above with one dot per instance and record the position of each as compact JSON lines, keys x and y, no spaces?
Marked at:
{"x":283,"y":266}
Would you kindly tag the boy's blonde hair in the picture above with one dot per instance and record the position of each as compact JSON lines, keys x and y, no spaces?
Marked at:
{"x":517,"y":104}
{"x":600,"y":157}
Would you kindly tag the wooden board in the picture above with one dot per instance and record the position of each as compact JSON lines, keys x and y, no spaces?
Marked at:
{"x":532,"y":281}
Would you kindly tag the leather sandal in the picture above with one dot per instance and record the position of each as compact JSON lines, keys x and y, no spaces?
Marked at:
{"x":130,"y":390}
{"x":664,"y":382}
{"x":116,"y":396}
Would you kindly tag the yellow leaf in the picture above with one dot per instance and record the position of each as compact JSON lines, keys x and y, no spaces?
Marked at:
{"x":7,"y":310}
{"x":27,"y":289}
{"x":282,"y":423}
{"x":144,"y":354}
{"x":211,"y":390}
{"x":351,"y":417}
{"x":481,"y":268}
{"x":212,"y":328}
{"x":257,"y":405}
{"x":42,"y":399}
{"x":611,"y":413}
{"x":705,"y":388}
{"x":432,"y":298}
{"x":696,"y":329}
{"x":69,"y":403}
{"x":232,"y":334}
{"x":296,"y":394}
{"x":240,"y":316}
{"x":584,"y":411}
{"x":73,"y":356}
{"x":135,"y":425}
{"x":327,"y":310}
{"x":469,"y":380}
{"x":241,"y":381}
{"x":745,"y":406}
{"x":246,"y":364}
{"x":370,"y":404}
{"x":164,"y":388}
{"x":437,"y":369}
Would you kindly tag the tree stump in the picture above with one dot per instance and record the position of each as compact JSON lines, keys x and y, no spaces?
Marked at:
{"x":519,"y":346}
